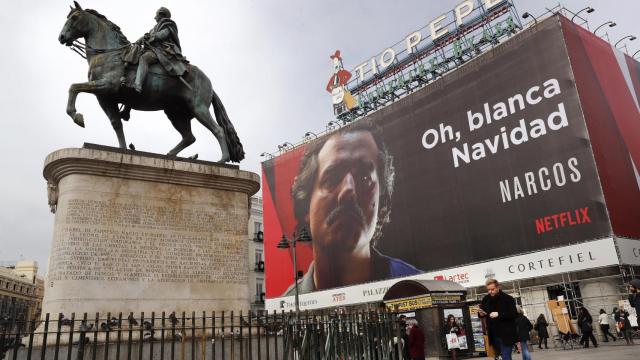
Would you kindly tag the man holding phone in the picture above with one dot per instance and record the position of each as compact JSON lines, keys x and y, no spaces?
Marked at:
{"x":500,"y":311}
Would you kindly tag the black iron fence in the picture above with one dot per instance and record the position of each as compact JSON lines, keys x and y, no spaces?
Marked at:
{"x":222,"y":335}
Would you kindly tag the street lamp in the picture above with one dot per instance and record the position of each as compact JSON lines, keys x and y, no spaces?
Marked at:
{"x":267,"y":155}
{"x":310,"y":135}
{"x":286,"y":244}
{"x":630,"y":37}
{"x":588,"y":9}
{"x":610,"y":23}
{"x":285,"y":146}
{"x":333,"y":124}
{"x":526,"y":15}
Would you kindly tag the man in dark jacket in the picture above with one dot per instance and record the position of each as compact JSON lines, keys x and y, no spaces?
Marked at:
{"x":634,"y":295}
{"x":499,"y":309}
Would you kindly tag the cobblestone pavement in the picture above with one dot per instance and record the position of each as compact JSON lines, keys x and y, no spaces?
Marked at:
{"x":608,"y":351}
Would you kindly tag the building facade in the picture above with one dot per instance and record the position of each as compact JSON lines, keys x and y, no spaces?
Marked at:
{"x":256,"y":255}
{"x":552,"y":214}
{"x":21,"y":292}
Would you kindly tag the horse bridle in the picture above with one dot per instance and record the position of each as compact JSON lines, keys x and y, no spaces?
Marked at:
{"x":82,"y":49}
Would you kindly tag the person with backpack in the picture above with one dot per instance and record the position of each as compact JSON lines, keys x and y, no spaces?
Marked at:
{"x":523,"y":327}
{"x":585,"y":323}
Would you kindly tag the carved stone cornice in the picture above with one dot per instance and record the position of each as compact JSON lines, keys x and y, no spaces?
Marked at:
{"x":137,"y":166}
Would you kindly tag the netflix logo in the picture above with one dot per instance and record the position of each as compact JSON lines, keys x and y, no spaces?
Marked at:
{"x":563,"y":219}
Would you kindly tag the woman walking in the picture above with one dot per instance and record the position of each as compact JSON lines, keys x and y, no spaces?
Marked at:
{"x":622,"y":320}
{"x":603,"y":320}
{"x":543,"y":333}
{"x":585,"y":323}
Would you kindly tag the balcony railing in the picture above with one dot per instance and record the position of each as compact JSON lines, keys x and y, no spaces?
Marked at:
{"x":259,"y":299}
{"x":259,"y":266}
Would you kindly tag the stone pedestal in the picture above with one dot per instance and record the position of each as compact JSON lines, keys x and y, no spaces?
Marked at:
{"x":140,"y":232}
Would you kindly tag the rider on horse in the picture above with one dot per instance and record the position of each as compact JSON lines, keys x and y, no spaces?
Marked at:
{"x":161,"y":45}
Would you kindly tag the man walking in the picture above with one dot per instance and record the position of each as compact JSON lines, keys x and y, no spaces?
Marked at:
{"x":500,"y":311}
{"x":634,"y":295}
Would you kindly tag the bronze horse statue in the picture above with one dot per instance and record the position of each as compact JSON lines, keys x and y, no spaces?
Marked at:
{"x":180,"y":99}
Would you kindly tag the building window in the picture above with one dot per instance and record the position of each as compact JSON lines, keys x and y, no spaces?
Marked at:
{"x":259,"y":265}
{"x":258,"y":234}
{"x":259,"y":291}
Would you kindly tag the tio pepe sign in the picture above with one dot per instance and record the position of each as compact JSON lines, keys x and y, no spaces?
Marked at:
{"x":437,"y":29}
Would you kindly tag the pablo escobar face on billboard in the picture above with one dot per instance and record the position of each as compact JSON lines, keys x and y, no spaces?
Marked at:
{"x":487,"y":162}
{"x":342,"y":194}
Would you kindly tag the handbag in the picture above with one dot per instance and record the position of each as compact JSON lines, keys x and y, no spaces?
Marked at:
{"x":620,"y":325}
{"x":452,"y":341}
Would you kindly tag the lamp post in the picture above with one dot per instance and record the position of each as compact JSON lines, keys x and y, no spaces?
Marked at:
{"x":610,"y":23}
{"x":588,"y":9}
{"x":630,"y":37}
{"x":333,"y":124}
{"x":526,"y":15}
{"x":286,"y":145}
{"x":310,"y":135}
{"x":286,"y":244}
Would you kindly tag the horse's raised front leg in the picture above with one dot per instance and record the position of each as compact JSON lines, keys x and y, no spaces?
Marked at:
{"x":93,"y":87}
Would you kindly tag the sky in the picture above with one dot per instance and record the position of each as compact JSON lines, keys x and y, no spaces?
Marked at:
{"x":268,"y":61}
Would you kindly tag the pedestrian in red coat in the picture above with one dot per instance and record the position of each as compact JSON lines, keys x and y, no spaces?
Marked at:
{"x":416,"y":342}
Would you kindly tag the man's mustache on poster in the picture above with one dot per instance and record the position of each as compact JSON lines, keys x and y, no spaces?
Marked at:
{"x":346,"y":209}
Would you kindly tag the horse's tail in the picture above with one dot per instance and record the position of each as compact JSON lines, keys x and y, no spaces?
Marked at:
{"x":236,"y":152}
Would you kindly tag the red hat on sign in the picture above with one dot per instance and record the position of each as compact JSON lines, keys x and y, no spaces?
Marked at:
{"x":336,"y":55}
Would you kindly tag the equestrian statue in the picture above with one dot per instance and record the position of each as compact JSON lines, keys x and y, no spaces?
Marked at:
{"x":149,"y":75}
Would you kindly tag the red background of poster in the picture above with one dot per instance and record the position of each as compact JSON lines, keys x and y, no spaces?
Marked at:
{"x":279,"y":220}
{"x":613,"y":122}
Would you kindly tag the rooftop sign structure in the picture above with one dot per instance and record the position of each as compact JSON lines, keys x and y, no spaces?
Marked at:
{"x":444,"y":44}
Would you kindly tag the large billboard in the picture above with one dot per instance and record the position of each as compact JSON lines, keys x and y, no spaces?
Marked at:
{"x":490,"y":161}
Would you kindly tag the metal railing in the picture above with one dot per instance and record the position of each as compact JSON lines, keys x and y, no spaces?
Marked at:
{"x":214,"y":335}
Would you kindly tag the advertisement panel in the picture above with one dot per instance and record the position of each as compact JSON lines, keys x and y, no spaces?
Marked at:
{"x":608,"y":83}
{"x":490,"y":161}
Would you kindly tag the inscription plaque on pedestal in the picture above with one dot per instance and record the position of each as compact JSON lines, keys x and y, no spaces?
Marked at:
{"x":139,"y":232}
